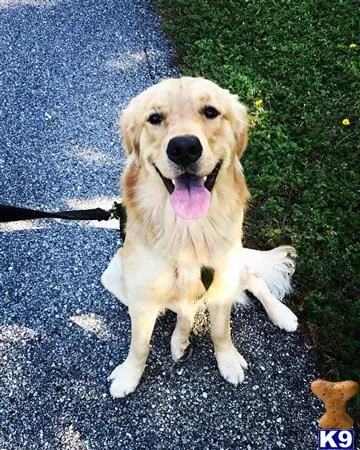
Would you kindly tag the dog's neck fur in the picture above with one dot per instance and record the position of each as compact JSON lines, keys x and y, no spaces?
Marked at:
{"x":186,"y":243}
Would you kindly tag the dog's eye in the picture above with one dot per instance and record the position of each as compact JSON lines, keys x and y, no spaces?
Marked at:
{"x":210,"y":112}
{"x":155,"y":119}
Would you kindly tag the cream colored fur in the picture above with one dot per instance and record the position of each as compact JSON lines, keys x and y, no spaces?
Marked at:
{"x":160,"y":263}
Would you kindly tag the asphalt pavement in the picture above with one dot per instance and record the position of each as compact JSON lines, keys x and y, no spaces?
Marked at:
{"x":67,"y":68}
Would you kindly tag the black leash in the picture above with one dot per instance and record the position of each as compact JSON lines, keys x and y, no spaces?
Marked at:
{"x":10,"y":213}
{"x":13,"y":213}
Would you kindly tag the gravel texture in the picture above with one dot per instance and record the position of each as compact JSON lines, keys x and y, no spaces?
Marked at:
{"x":66,"y":70}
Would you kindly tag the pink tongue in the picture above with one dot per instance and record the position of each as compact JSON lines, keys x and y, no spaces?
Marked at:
{"x":190,"y":198}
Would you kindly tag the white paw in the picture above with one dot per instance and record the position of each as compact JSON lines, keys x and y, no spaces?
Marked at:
{"x":125,"y":379}
{"x":231,"y":365}
{"x":179,"y":344}
{"x":281,"y":316}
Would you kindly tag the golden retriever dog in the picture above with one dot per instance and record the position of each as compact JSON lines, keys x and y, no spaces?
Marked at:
{"x":185,"y":194}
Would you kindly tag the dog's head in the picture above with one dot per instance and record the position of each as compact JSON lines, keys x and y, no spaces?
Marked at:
{"x":185,"y":132}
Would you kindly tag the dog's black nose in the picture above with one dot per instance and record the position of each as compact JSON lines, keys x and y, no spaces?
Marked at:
{"x":184,"y":150}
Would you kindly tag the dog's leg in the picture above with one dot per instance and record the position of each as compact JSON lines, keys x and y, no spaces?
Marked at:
{"x":230,"y":362}
{"x":112,"y":280}
{"x":279,"y":314}
{"x":180,"y":336}
{"x":126,"y":376}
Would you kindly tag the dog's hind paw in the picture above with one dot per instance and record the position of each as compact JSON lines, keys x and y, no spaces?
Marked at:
{"x":281,"y":316}
{"x":231,"y":365}
{"x":180,"y":346}
{"x":124,"y":380}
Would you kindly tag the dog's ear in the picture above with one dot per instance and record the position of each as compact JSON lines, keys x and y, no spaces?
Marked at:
{"x":130,"y":129}
{"x":240,"y":124}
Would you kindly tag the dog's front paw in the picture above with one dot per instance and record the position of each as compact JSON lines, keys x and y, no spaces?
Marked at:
{"x":124,"y":380}
{"x":231,"y":365}
{"x":281,"y":316}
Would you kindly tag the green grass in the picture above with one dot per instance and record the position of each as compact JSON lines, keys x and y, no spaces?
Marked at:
{"x":302,"y":164}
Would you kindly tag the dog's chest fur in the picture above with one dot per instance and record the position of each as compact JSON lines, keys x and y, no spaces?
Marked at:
{"x":174,"y":275}
{"x":187,"y":243}
{"x":172,"y":249}
{"x":192,"y":283}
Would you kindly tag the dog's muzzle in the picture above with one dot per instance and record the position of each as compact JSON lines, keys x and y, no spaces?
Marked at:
{"x":190,"y":194}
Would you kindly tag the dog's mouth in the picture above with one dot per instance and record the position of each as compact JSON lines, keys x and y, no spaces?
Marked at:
{"x":190,"y":194}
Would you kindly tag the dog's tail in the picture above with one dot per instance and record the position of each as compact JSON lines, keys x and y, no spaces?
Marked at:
{"x":275,"y":267}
